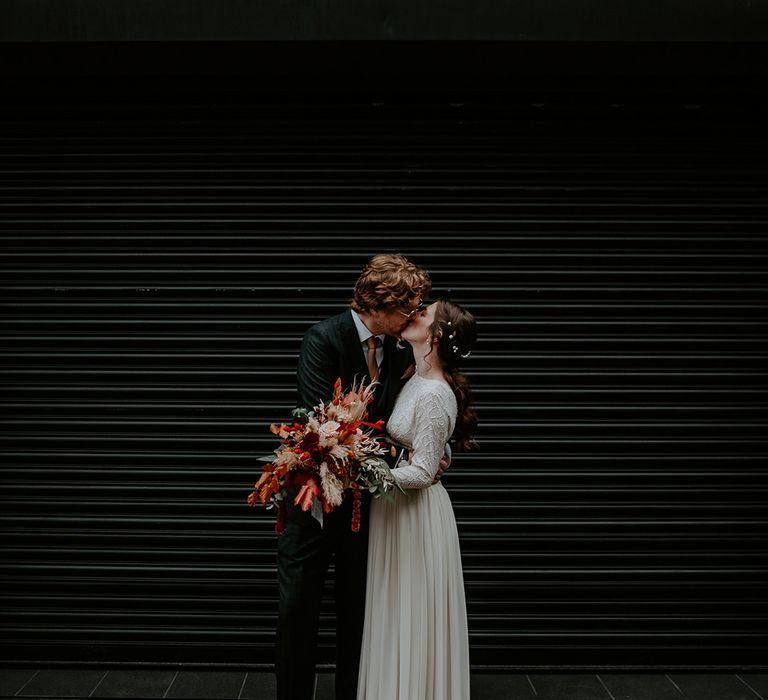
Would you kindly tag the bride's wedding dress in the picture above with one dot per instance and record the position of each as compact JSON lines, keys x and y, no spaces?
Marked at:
{"x":415,"y":642}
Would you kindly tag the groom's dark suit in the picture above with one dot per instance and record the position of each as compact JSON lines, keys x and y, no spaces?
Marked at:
{"x":329,"y":349}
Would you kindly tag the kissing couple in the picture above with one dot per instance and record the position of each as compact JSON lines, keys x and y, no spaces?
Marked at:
{"x":401,"y":620}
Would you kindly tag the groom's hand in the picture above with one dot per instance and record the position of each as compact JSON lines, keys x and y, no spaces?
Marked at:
{"x":444,"y":462}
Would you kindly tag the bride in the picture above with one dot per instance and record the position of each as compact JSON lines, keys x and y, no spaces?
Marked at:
{"x":415,"y":642}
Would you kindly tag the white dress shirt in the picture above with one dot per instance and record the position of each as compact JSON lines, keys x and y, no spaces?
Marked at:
{"x":364,"y":333}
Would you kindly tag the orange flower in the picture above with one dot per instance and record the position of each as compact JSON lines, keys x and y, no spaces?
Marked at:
{"x":307,"y":494}
{"x":379,"y":424}
{"x":271,"y":487}
{"x":284,"y":431}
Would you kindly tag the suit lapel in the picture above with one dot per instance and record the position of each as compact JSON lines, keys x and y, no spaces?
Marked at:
{"x":352,"y":349}
{"x":390,"y":378}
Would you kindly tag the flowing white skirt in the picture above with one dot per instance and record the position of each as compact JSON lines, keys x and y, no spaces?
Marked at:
{"x":415,"y":642}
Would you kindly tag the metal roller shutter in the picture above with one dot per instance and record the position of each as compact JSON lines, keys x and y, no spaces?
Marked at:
{"x":162,"y":258}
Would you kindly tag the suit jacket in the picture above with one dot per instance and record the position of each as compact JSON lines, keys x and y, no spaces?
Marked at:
{"x":331,"y":349}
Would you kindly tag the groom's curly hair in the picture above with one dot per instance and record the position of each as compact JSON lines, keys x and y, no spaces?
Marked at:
{"x":389,"y":281}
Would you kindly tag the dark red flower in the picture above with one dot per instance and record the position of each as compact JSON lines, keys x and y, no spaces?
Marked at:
{"x":355,"y":507}
{"x":310,"y":442}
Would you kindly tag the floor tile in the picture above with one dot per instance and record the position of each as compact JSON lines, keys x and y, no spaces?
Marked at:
{"x":568,"y":686}
{"x":758,"y":681}
{"x":259,"y":686}
{"x":640,"y":686}
{"x":500,"y":686}
{"x":12,"y":679}
{"x":51,"y":684}
{"x":325,"y":686}
{"x":63,"y":683}
{"x":712,"y":686}
{"x":135,"y":683}
{"x":223,"y":685}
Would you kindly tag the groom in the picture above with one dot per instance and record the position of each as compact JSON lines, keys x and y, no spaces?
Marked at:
{"x":360,"y":342}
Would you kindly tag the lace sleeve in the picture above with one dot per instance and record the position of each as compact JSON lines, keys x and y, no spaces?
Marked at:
{"x":432,"y":428}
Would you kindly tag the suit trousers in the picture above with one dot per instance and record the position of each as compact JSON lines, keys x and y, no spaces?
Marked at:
{"x":304,"y":554}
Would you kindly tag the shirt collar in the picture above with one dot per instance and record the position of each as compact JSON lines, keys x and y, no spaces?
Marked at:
{"x":362,"y":329}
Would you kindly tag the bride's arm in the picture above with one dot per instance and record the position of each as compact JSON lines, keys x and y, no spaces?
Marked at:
{"x":432,"y":426}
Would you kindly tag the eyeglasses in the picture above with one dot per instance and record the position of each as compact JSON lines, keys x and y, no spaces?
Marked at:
{"x":409,"y":316}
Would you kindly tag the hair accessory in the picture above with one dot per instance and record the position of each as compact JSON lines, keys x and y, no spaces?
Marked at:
{"x":449,"y":323}
{"x":465,"y":356}
{"x":452,"y":336}
{"x":455,"y":349}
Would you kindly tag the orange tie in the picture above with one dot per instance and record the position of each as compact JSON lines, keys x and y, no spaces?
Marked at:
{"x":373,"y":367}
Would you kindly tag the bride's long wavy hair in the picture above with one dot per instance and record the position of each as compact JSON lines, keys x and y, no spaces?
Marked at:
{"x":457,"y":332}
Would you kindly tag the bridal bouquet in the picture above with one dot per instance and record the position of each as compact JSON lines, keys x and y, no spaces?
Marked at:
{"x":324,"y":457}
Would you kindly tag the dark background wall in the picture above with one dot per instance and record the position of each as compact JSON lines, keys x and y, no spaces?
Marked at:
{"x":596,"y":20}
{"x":175,"y":212}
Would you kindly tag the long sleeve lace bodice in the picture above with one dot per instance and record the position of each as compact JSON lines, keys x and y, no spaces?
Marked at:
{"x":423,"y":419}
